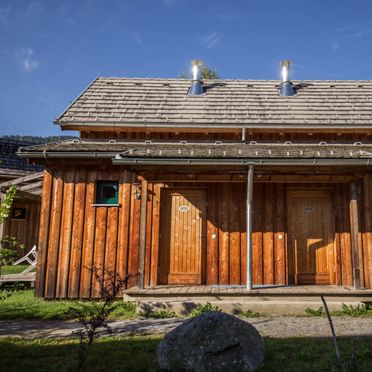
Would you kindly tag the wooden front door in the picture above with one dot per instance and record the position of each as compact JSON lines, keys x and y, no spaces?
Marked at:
{"x":182,"y":239}
{"x":310,"y":237}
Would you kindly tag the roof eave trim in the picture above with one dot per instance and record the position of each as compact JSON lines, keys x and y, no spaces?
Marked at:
{"x":216,"y":125}
{"x":218,"y":161}
{"x":197,"y":161}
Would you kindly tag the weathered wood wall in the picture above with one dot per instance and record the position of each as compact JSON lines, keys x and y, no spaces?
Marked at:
{"x":366,"y":211}
{"x":25,"y":231}
{"x":226,"y":255}
{"x":75,"y":236}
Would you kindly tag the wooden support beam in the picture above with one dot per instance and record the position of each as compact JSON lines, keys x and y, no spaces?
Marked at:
{"x":31,"y":186}
{"x":142,"y":237}
{"x":354,"y":226}
{"x":249,"y":225}
{"x":17,"y":181}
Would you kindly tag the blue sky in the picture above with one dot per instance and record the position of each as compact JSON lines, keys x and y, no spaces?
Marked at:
{"x":51,"y":50}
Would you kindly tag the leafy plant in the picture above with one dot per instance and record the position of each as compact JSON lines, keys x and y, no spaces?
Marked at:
{"x":250,"y":314}
{"x":207,"y":73}
{"x":358,"y":310}
{"x":315,"y":312}
{"x":93,"y":317}
{"x":161,"y":314}
{"x":10,"y":250}
{"x":201,"y":309}
{"x":6,"y":204}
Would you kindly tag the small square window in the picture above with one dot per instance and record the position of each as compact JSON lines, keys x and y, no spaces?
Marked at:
{"x":107,"y":192}
{"x":18,"y":213}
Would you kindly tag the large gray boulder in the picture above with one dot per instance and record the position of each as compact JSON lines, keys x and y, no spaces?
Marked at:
{"x":211,"y":342}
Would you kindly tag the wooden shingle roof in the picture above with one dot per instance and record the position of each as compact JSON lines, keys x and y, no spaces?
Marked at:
{"x":185,"y":150}
{"x":226,"y":103}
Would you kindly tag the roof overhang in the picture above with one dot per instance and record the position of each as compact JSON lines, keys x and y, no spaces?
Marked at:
{"x":181,"y":125}
{"x":118,"y":159}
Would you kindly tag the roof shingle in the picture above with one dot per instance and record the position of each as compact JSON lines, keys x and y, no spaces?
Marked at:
{"x":164,"y":102}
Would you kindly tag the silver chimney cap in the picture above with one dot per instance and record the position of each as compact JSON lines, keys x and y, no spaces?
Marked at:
{"x":197,"y":83}
{"x":286,"y":88}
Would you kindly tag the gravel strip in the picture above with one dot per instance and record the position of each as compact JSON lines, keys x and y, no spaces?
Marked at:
{"x":278,"y":327}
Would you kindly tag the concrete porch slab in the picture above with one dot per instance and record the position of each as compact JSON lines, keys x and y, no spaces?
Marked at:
{"x":274,"y":300}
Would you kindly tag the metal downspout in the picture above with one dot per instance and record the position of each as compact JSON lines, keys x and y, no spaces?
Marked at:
{"x":249,"y":225}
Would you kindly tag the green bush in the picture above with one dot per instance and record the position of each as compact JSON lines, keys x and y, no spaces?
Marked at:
{"x":10,"y":250}
{"x":201,"y":309}
{"x":250,"y":314}
{"x":359,"y":310}
{"x":315,"y":312}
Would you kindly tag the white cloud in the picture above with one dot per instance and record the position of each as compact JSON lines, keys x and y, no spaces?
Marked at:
{"x":137,"y":38}
{"x":26,"y":59}
{"x":5,"y":15}
{"x":210,"y":40}
{"x":350,"y":32}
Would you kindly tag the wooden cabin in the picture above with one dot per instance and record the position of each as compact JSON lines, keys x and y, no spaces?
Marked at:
{"x":179,"y":188}
{"x":23,"y":221}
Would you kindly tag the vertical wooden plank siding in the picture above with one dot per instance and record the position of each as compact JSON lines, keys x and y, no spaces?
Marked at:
{"x":88,"y":237}
{"x":77,"y":233}
{"x":150,"y":194}
{"x":66,"y":234}
{"x":155,"y":234}
{"x":268,"y":238}
{"x":354,"y":225}
{"x":257,"y":232}
{"x":279,"y":236}
{"x":112,"y":231}
{"x":212,"y":240}
{"x":337,"y":202}
{"x":25,"y":231}
{"x":123,"y":228}
{"x":235,"y":257}
{"x":134,"y":236}
{"x":367,"y":229}
{"x":346,"y":249}
{"x":54,"y":236}
{"x":223,"y":234}
{"x":142,"y":236}
{"x":42,"y":245}
{"x":75,"y":236}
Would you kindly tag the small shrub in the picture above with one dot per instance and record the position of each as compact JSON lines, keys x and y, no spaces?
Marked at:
{"x":359,"y":310}
{"x":250,"y":314}
{"x":315,"y":312}
{"x":161,"y":314}
{"x":129,"y":306}
{"x":201,"y":309}
{"x":10,"y":250}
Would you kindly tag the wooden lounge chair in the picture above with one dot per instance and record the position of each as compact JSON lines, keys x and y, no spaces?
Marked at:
{"x":31,"y":258}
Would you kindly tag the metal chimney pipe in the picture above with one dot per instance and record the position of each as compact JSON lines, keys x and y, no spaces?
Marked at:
{"x":197,"y":83}
{"x":286,"y":66}
{"x":286,"y":88}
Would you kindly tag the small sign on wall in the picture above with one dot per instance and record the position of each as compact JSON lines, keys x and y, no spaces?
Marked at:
{"x":183,"y":208}
{"x":308,"y":209}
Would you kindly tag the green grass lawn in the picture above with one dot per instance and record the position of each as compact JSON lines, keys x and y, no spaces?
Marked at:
{"x":23,"y":305}
{"x":138,"y":354}
{"x":10,"y":269}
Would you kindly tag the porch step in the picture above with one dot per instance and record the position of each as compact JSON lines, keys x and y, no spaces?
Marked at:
{"x":271,"y":305}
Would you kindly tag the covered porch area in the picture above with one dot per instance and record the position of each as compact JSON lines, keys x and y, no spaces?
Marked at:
{"x":252,"y":227}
